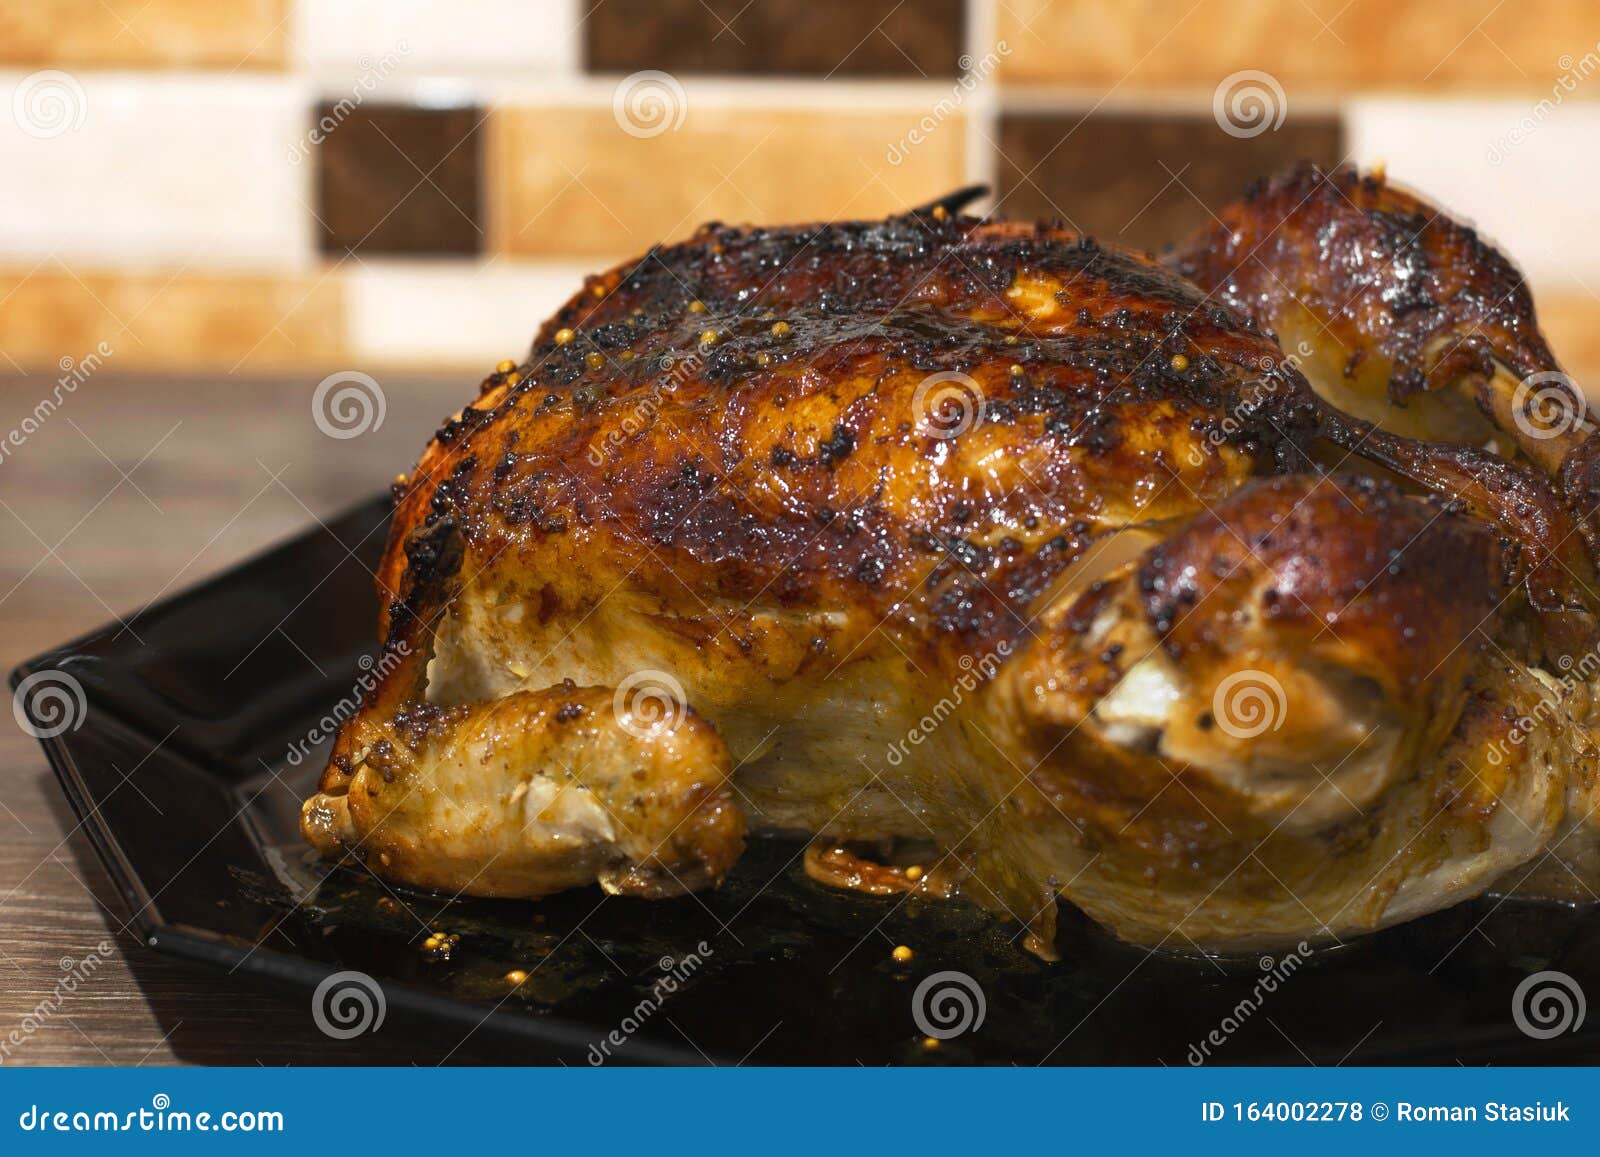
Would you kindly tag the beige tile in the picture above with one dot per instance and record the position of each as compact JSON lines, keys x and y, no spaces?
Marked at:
{"x":463,"y":36}
{"x":1479,"y":159}
{"x":156,"y":170}
{"x":462,"y":315}
{"x":570,"y":180}
{"x":158,"y":321}
{"x":144,"y":33}
{"x":1311,"y":44}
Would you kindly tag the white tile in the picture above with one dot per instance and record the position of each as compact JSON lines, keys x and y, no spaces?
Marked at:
{"x":126,"y":169}
{"x":464,"y":36}
{"x":1525,"y":175}
{"x":454,"y":313}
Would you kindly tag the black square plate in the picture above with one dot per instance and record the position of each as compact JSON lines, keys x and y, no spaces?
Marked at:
{"x":187,"y":769}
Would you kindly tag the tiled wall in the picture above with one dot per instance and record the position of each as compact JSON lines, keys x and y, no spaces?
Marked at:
{"x":238,"y":186}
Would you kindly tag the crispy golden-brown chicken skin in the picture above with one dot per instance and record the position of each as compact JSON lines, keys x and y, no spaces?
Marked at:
{"x":983,"y":536}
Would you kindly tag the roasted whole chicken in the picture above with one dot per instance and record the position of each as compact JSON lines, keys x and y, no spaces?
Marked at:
{"x":1237,"y":597}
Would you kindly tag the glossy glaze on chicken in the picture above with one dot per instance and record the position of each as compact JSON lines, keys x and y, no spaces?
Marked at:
{"x":1046,"y":558}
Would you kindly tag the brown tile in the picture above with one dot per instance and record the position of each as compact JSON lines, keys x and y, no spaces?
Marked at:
{"x":570,"y":181}
{"x":1142,"y":180}
{"x":400,"y":180}
{"x":1306,"y":44}
{"x":161,"y":321}
{"x":806,"y":37}
{"x":145,"y":33}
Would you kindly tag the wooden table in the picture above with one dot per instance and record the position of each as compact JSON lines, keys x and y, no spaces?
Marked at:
{"x":127,"y":490}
